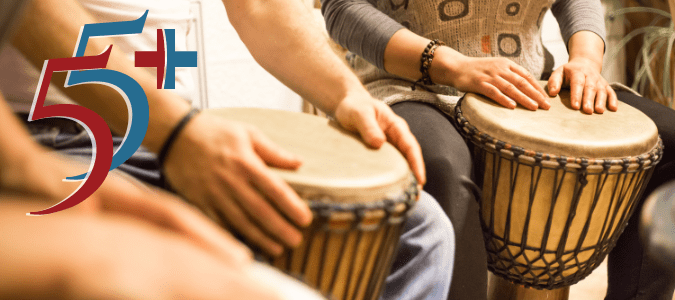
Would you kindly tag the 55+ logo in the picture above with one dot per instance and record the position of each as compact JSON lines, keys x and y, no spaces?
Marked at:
{"x":92,"y":70}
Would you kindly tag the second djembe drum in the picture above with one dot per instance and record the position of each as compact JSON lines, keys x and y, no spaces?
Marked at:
{"x":558,"y":187}
{"x":359,"y":196}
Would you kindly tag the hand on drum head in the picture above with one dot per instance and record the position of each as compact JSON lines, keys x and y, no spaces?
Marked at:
{"x":377,"y":123}
{"x":497,"y":78}
{"x":221,"y":166}
{"x":589,"y":91}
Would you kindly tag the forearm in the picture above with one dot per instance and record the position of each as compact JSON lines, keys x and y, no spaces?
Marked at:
{"x":283,"y":38}
{"x":403,"y":53}
{"x":50,"y":29}
{"x":587,"y":46}
{"x":363,"y":29}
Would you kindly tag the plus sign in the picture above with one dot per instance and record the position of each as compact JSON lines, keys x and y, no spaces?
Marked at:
{"x":174,"y":59}
{"x":153,"y":59}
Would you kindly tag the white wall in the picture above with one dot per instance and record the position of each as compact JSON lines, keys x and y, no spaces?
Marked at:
{"x":234,"y":78}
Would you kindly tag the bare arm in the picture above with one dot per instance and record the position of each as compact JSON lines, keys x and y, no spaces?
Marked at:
{"x":281,"y":36}
{"x":219,"y":165}
{"x":497,"y":78}
{"x":50,"y":30}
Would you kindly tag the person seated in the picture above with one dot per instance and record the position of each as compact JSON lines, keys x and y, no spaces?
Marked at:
{"x":126,"y":241}
{"x":493,"y":48}
{"x":221,"y":166}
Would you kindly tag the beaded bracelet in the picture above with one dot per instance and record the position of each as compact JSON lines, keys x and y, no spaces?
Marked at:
{"x":425,"y":60}
{"x":174,"y":134}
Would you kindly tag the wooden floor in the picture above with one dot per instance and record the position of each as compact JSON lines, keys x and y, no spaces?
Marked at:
{"x":593,"y":287}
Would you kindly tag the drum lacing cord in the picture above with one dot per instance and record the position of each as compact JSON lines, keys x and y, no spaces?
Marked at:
{"x":547,"y":270}
{"x":472,"y":187}
{"x":323,"y":209}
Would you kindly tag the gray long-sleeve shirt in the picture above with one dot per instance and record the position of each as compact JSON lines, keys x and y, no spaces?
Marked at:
{"x":365,"y":26}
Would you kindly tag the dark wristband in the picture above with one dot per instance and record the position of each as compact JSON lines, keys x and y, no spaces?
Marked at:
{"x":425,"y":63}
{"x":174,"y":134}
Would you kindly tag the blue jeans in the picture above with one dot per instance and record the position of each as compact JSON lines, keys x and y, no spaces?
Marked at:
{"x":423,"y":265}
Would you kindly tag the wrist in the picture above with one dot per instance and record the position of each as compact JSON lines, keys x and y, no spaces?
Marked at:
{"x":594,"y":63}
{"x":446,"y":66}
{"x":173,"y":135}
{"x":166,"y":110}
{"x":586,"y":47}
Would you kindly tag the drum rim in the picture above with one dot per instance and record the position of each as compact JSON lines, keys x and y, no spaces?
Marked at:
{"x":326,"y":203}
{"x":469,"y":131}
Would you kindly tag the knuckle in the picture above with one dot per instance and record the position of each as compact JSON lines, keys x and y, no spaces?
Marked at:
{"x":522,"y":82}
{"x":509,"y":88}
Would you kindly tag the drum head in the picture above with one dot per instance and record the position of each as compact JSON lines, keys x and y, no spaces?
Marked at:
{"x":563,"y":130}
{"x":337,"y":165}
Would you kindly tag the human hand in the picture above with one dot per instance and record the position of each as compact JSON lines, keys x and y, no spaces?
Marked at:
{"x":497,"y":78}
{"x":40,"y":176}
{"x":221,"y":167}
{"x":589,"y":91}
{"x":72,"y":255}
{"x":377,"y":123}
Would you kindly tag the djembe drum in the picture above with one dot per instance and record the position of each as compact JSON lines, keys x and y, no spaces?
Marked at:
{"x":558,"y":187}
{"x":359,"y":196}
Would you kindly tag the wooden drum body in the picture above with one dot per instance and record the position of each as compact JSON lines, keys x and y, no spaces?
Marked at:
{"x":359,"y":196}
{"x":558,"y":185}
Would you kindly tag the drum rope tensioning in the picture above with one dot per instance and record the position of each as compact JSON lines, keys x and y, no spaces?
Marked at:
{"x":550,"y":219}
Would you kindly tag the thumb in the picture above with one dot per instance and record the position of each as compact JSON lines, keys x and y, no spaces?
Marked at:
{"x":272,"y":154}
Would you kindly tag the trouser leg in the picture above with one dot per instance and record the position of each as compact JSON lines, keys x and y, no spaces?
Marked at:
{"x":448,"y":164}
{"x":422,"y":268}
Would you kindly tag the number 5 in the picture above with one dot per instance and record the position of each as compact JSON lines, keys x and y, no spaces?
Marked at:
{"x":93,"y":123}
{"x":134,"y":96}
